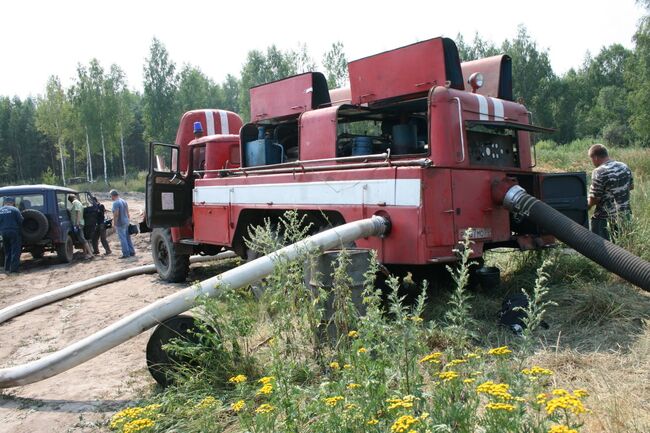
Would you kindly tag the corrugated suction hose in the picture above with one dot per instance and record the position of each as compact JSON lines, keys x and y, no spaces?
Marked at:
{"x":610,"y":256}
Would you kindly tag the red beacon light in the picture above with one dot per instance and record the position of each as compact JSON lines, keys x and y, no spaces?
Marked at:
{"x":476,"y":81}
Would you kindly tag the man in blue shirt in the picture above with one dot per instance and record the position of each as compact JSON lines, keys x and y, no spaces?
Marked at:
{"x":121,"y":224}
{"x":11,"y":221}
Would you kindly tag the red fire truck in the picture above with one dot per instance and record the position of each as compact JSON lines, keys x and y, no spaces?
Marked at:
{"x":419,"y":138}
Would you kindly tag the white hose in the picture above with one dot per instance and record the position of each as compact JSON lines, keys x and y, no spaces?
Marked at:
{"x":145,"y":318}
{"x":65,"y":292}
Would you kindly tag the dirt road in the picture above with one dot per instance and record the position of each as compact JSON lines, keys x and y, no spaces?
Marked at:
{"x":83,"y":398}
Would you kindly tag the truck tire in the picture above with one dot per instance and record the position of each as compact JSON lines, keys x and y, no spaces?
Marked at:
{"x":171,"y":266}
{"x":65,"y":251}
{"x":35,"y":225}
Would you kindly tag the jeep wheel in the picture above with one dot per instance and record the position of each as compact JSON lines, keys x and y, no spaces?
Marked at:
{"x":65,"y":251}
{"x":171,"y":266}
{"x":35,"y":225}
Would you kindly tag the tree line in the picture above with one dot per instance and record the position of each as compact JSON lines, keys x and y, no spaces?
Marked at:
{"x":97,"y":128}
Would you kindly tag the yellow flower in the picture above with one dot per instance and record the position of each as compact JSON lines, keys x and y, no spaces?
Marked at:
{"x":403,"y":423}
{"x":499,"y":390}
{"x":469,"y":380}
{"x":455,"y":362}
{"x":473,"y":355}
{"x":446,"y":376}
{"x":503,"y":350}
{"x":266,"y":379}
{"x":417,"y":319}
{"x":347,"y":366}
{"x":350,"y":406}
{"x":238,"y":405}
{"x":362,"y":350}
{"x":353,"y":386}
{"x":138,"y":425}
{"x":353,"y":334}
{"x":564,"y":401}
{"x":333,"y":401}
{"x":536,"y":371}
{"x":266,"y":389}
{"x":406,"y":402}
{"x":500,"y":406}
{"x":562,"y":429}
{"x":432,"y":358}
{"x":334,"y":365}
{"x":206,"y":402}
{"x":476,"y":373}
{"x":123,"y":417}
{"x":373,"y":422}
{"x":240,"y":378}
{"x":264,"y":408}
{"x":424,"y":416}
{"x":580,"y":393}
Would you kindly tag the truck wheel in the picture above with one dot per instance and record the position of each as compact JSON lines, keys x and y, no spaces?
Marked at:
{"x":35,"y":225}
{"x":65,"y":251}
{"x":171,"y":266}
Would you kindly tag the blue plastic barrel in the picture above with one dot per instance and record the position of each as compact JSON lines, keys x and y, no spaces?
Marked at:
{"x":361,"y":146}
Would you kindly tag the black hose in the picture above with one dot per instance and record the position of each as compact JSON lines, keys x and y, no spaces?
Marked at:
{"x":612,"y":257}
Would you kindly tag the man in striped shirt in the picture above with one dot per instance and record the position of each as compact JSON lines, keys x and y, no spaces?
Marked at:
{"x":611,"y":183}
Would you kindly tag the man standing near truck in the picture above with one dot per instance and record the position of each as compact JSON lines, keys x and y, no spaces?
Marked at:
{"x":121,"y":219}
{"x":611,"y":183}
{"x":77,"y":217}
{"x":11,"y":221}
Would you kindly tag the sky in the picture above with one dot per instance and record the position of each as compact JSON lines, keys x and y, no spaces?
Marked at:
{"x":39,"y":38}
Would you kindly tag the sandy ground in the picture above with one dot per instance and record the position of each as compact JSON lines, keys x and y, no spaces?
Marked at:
{"x":83,"y":398}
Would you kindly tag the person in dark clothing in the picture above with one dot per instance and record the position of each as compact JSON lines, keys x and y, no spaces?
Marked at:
{"x":99,"y":228}
{"x":11,"y":221}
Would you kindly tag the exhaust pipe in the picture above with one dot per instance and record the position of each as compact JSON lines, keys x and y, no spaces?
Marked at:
{"x":610,"y":256}
{"x":172,"y":305}
{"x":65,"y":292}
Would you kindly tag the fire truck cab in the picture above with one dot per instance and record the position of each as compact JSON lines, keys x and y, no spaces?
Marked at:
{"x":418,"y":138}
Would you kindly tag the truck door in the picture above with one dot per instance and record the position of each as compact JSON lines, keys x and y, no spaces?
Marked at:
{"x":566,"y":192}
{"x":168,"y":193}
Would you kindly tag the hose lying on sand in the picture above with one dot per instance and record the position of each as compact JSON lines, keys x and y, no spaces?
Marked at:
{"x":172,"y":305}
{"x":65,"y":292}
{"x":610,"y":256}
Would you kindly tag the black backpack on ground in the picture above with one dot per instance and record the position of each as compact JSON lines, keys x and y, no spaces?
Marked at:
{"x":512,"y":312}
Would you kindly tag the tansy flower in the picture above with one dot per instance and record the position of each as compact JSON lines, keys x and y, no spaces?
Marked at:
{"x":562,"y":429}
{"x":138,"y":425}
{"x":469,"y":380}
{"x":333,"y":401}
{"x":362,"y":350}
{"x":432,"y":358}
{"x":500,"y":406}
{"x":238,"y":405}
{"x":347,"y":366}
{"x":353,"y":386}
{"x":206,"y":402}
{"x":499,"y":390}
{"x":240,"y":378}
{"x":266,"y":379}
{"x":566,"y":401}
{"x":264,"y":408}
{"x":350,"y":406}
{"x":334,"y":365}
{"x":406,"y":402}
{"x":266,"y":389}
{"x":353,"y":334}
{"x":455,"y":362}
{"x":446,"y":376}
{"x":373,"y":422}
{"x":497,"y":351}
{"x":536,"y":371}
{"x":403,"y":424}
